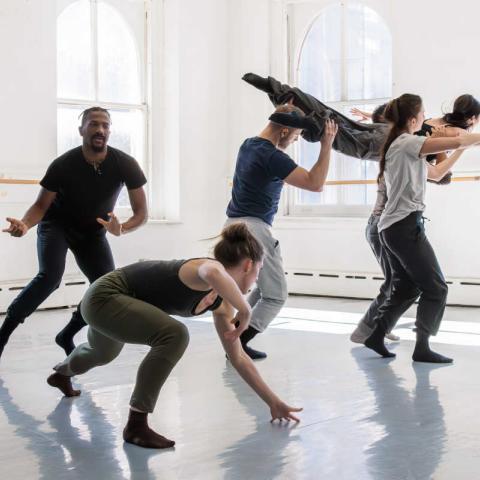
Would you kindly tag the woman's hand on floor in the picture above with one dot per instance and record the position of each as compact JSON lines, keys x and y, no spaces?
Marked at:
{"x":281,"y":411}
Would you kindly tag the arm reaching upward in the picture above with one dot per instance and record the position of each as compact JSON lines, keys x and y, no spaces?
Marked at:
{"x":314,"y":179}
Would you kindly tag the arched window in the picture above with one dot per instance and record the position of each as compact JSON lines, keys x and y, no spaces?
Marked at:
{"x":101,"y":61}
{"x":346,"y":61}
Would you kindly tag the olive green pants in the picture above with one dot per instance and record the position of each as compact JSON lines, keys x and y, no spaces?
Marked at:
{"x":115,"y":318}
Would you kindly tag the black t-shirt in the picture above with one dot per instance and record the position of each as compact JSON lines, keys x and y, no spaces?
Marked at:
{"x":258,"y":180}
{"x":84,"y":194}
{"x":157,"y":282}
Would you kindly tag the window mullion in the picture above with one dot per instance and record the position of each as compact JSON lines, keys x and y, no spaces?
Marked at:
{"x":364,"y":49}
{"x":344,"y":96}
{"x":344,"y":93}
{"x":147,"y":95}
{"x":94,"y":31}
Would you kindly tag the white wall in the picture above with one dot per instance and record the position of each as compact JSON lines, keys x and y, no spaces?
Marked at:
{"x":211,"y":111}
{"x":201,"y":111}
{"x":28,"y":120}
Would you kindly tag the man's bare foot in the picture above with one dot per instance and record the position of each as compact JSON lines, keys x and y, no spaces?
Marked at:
{"x":64,"y":384}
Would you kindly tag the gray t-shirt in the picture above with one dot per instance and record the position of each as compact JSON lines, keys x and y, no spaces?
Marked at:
{"x":379,"y":206}
{"x":406,"y":179}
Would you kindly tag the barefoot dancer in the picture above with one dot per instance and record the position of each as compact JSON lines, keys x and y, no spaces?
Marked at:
{"x":133,"y":305}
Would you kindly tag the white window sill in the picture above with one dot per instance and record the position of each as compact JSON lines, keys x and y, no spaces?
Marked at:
{"x":159,"y":221}
{"x":316,"y":222}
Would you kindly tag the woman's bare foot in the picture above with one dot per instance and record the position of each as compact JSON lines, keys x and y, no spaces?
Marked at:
{"x":63,"y":383}
{"x":139,"y":433}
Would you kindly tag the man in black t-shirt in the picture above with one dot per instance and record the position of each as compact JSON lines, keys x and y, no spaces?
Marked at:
{"x":74,"y":210}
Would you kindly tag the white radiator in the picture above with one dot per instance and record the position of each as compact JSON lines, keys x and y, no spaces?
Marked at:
{"x":69,"y":293}
{"x":462,"y":291}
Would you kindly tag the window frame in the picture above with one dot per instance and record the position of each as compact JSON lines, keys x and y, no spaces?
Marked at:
{"x":143,"y":107}
{"x":291,"y":207}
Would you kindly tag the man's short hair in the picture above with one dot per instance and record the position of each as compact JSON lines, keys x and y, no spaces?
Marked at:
{"x":288,"y":108}
{"x":84,"y":115}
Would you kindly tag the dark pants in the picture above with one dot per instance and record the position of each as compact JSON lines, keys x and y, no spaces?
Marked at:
{"x":115,"y":317}
{"x":355,"y":139}
{"x":92,"y":253}
{"x":379,"y":250}
{"x":414,"y":268}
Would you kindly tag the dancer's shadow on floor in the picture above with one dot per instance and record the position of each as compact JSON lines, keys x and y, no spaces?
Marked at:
{"x":262,"y":453}
{"x":98,"y":455}
{"x":138,"y":459}
{"x":67,"y":451}
{"x":412,"y":426}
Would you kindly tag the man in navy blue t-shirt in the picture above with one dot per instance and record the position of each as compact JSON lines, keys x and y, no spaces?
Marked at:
{"x":262,"y":169}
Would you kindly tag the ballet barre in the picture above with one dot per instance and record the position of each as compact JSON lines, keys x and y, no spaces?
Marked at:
{"x":16,"y":181}
{"x":473,"y":178}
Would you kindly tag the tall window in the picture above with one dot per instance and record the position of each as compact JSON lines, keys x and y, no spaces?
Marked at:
{"x":101,"y":61}
{"x":345,"y":61}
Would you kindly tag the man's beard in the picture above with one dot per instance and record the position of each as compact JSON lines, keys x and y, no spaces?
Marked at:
{"x":96,"y":148}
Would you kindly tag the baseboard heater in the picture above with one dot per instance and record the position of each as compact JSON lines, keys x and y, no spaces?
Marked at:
{"x":462,"y":291}
{"x":68,"y":294}
{"x":362,"y":285}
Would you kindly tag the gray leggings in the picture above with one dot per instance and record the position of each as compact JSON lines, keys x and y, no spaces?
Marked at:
{"x":271,"y":293}
{"x":115,"y":318}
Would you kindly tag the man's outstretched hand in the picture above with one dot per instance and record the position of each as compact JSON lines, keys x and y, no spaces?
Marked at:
{"x":17,"y":228}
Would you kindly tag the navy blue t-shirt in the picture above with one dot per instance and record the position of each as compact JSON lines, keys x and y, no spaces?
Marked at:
{"x":258,"y":180}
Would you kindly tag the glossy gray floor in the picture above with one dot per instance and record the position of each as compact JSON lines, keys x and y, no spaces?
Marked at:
{"x":364,"y":417}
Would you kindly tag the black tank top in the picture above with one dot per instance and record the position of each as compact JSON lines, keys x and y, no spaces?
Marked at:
{"x":426,"y":128}
{"x":157,"y":283}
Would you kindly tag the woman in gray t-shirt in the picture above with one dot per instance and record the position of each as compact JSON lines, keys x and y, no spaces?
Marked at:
{"x":411,"y":257}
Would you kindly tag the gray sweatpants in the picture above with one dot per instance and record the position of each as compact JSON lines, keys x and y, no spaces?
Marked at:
{"x":270,"y":294}
{"x":115,"y":318}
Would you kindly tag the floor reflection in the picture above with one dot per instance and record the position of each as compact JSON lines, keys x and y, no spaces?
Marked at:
{"x":275,"y":443}
{"x":412,"y":434}
{"x":82,"y":451}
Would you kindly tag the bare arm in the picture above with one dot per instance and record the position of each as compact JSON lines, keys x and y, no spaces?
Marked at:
{"x":215,"y":275}
{"x":440,"y":158}
{"x":314,"y":180}
{"x":33,"y":215}
{"x":138,"y":202}
{"x":443,"y":144}
{"x":444,"y":130}
{"x":363,"y":116}
{"x":245,"y":366}
{"x":438,"y":171}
